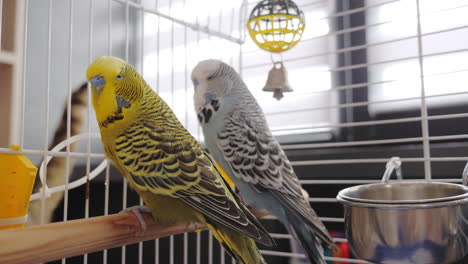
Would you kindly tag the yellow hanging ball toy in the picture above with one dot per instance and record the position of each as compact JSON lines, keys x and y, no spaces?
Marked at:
{"x":276,"y":25}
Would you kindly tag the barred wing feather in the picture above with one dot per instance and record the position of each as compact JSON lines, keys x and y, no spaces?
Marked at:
{"x":176,"y":165}
{"x":256,"y":157}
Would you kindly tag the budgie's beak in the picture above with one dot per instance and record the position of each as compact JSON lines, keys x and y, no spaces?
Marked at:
{"x":98,"y":82}
{"x":210,"y":97}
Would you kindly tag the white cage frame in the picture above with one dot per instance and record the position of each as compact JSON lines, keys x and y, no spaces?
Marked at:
{"x":424,"y":118}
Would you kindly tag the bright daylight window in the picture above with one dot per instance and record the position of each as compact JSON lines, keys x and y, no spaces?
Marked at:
{"x":303,"y":113}
{"x":395,"y":76}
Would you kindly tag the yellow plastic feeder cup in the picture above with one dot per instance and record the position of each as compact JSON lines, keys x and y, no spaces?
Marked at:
{"x":17,"y":174}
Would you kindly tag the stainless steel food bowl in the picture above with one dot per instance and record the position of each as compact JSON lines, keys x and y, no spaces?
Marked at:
{"x":407,"y":222}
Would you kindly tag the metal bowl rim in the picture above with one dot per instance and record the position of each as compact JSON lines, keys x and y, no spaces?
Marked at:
{"x":396,"y":206}
{"x":343,"y":196}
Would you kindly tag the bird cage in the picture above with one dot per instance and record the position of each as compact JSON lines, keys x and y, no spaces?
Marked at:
{"x":373,"y":80}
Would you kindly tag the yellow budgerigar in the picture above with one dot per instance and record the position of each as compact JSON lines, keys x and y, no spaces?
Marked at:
{"x":168,"y":168}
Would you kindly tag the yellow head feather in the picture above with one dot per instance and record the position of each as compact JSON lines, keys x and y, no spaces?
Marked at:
{"x":106,"y":66}
{"x":118,"y":81}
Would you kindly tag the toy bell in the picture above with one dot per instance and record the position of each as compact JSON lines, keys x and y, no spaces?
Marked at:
{"x":277,"y":81}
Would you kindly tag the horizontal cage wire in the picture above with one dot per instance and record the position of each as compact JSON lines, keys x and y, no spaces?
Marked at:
{"x":372,"y":80}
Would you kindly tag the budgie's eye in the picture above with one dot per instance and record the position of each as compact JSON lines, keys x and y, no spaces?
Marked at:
{"x":210,"y":77}
{"x":119,"y":77}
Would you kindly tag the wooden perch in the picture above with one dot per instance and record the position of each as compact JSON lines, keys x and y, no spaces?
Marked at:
{"x":66,"y":239}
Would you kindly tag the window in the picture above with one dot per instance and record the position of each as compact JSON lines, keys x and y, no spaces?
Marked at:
{"x":379,"y":73}
{"x":169,"y":56}
{"x":308,"y":65}
{"x":395,"y":76}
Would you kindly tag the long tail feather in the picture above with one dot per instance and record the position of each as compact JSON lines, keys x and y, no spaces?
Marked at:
{"x":241,"y":247}
{"x":306,"y":237}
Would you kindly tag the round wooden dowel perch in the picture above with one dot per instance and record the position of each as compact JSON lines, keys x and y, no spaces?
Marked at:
{"x":66,"y":239}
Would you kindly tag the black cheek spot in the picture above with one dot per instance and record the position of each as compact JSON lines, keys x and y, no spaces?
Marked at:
{"x":208,"y":115}
{"x":203,"y":112}
{"x":215,"y":104}
{"x":200,"y":118}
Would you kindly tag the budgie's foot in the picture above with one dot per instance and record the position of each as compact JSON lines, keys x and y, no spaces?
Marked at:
{"x":137,"y":210}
